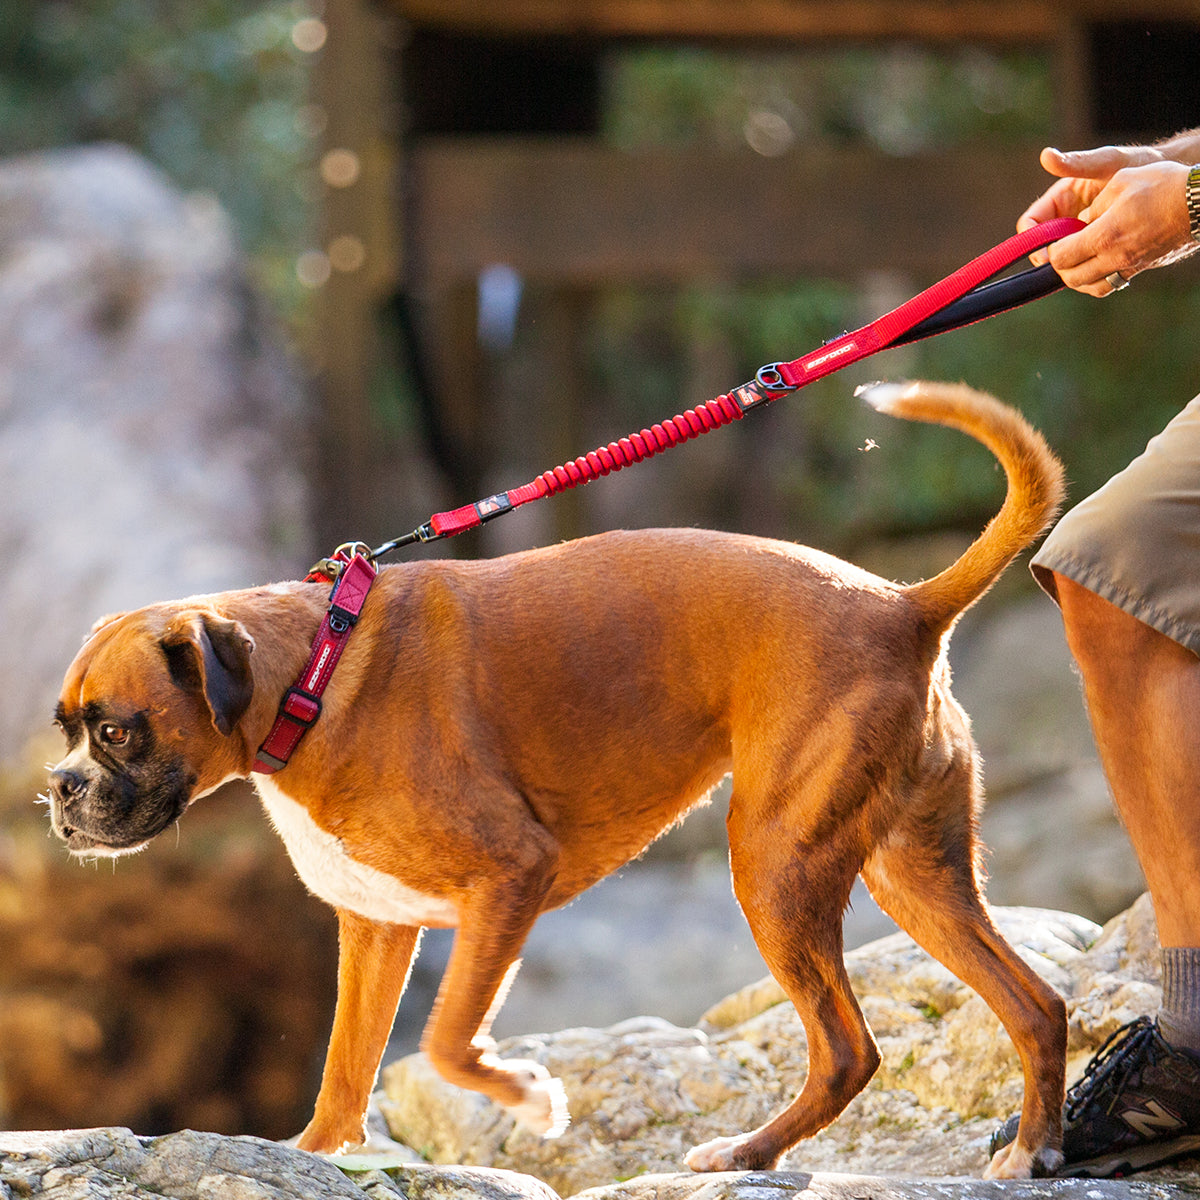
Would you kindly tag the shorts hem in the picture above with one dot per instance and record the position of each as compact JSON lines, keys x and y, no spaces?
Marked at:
{"x":1138,"y":607}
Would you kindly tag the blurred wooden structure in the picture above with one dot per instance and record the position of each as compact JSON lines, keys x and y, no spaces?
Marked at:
{"x":467,"y":135}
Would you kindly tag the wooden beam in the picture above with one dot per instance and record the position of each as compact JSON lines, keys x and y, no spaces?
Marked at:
{"x":352,"y":86}
{"x":572,"y":210}
{"x":766,"y":20}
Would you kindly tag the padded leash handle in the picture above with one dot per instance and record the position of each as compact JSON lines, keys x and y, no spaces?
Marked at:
{"x":962,"y":298}
{"x":905,"y":322}
{"x":987,"y":300}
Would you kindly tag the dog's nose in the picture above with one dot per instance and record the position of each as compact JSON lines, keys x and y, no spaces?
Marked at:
{"x":66,"y":785}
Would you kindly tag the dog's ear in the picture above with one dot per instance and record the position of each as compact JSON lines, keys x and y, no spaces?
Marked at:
{"x":211,"y":654}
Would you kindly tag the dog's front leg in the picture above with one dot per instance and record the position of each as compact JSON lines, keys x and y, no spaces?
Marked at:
{"x":373,"y":964}
{"x":457,"y":1040}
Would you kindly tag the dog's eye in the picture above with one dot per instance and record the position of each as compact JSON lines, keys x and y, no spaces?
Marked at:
{"x":114,"y":735}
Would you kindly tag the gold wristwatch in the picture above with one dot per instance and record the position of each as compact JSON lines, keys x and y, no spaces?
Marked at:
{"x":1193,"y":200}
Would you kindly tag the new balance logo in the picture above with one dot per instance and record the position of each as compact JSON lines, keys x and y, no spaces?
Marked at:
{"x":1151,"y":1120}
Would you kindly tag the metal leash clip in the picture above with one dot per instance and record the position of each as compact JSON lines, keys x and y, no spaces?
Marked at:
{"x":330,"y":569}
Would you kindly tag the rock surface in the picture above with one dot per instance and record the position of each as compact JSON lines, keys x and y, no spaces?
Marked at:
{"x":113,"y":1162}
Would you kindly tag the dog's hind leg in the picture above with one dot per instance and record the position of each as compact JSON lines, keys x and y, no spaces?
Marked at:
{"x":924,"y":876}
{"x":373,"y":964}
{"x":794,"y":899}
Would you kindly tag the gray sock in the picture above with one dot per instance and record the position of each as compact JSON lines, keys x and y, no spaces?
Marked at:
{"x":1179,"y":1016}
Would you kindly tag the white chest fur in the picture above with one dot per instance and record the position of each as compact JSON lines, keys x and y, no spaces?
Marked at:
{"x":332,"y":875}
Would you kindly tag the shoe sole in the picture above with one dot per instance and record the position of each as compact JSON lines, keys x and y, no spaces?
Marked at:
{"x":1126,"y":1162}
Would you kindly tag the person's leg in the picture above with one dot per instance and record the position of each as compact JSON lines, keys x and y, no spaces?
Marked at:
{"x":1143,"y":698}
{"x":1122,"y":566}
{"x":1138,"y":1102}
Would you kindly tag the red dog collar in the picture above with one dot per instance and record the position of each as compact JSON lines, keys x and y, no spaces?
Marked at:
{"x":301,"y":704}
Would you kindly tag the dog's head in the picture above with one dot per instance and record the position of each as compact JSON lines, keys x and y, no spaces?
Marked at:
{"x":148,"y":708}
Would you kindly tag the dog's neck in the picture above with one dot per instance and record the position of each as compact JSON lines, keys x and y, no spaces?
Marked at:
{"x":282,"y":619}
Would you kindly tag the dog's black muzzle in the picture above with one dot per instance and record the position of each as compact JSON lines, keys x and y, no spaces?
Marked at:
{"x":108,"y":814}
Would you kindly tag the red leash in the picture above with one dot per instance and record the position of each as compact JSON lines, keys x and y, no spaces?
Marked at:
{"x":960,"y":299}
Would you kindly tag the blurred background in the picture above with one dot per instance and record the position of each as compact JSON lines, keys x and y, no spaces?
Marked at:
{"x":275,"y":275}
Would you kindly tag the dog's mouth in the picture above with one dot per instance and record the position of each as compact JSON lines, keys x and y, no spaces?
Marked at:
{"x":83,"y":845}
{"x":85,"y":840}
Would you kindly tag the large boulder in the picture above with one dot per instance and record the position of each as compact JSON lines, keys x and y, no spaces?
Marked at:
{"x":151,"y":421}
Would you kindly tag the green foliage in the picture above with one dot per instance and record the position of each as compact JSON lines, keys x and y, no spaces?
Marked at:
{"x":215,"y":93}
{"x":903,"y":98}
{"x":212,"y":91}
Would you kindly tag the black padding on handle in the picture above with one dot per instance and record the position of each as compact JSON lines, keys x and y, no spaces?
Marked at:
{"x":986,"y":301}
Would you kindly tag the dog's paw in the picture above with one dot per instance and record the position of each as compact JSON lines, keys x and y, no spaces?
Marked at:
{"x":544,"y":1107}
{"x":318,"y":1139}
{"x":721,"y":1154}
{"x":1014,"y":1162}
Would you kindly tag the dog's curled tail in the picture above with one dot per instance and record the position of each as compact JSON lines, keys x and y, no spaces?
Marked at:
{"x":1035,"y":487}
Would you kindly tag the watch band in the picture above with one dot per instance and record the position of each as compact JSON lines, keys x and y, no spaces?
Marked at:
{"x":1193,"y":200}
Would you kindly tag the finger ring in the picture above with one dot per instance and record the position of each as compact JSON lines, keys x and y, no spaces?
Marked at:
{"x":1116,"y":281}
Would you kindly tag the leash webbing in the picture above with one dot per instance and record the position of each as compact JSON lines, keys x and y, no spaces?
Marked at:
{"x":960,"y":299}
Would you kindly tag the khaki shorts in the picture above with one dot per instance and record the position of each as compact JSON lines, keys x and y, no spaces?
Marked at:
{"x":1136,"y":541}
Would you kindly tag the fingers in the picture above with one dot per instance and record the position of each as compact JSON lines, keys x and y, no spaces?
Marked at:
{"x":1099,"y":164}
{"x":1068,"y":196}
{"x":1138,"y":221}
{"x":1086,"y":267}
{"x":1087,"y":260}
{"x":1134,"y":204}
{"x":1082,"y":176}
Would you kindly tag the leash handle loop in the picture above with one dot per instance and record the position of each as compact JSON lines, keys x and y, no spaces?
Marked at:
{"x":987,"y":300}
{"x":891,"y":328}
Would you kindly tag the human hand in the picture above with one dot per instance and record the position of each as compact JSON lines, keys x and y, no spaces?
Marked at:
{"x":1134,"y":202}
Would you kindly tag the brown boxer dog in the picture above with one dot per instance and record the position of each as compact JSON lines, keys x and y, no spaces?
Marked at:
{"x":500,"y":735}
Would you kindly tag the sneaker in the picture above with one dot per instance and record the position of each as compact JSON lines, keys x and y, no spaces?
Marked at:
{"x":1136,"y":1104}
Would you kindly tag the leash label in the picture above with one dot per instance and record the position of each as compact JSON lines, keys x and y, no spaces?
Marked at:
{"x":748,"y":396}
{"x":493,"y":506}
{"x":848,"y":348}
